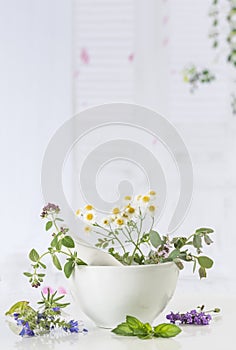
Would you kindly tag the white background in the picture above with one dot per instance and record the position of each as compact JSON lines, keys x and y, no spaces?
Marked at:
{"x":39,"y":62}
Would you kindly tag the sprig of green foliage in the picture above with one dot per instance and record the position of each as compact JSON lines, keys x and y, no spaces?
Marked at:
{"x":134,"y":327}
{"x":62,"y":244}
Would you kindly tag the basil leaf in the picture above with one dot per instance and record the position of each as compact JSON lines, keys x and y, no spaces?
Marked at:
{"x":155,"y":238}
{"x":123,"y":329}
{"x":68,"y":242}
{"x":133,"y":322}
{"x":166,"y":330}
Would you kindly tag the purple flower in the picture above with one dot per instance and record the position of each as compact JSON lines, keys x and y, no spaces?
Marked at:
{"x":73,"y":327}
{"x":192,"y":317}
{"x":16,"y":315}
{"x":50,"y":208}
{"x":56,"y":309}
{"x":26,"y":330}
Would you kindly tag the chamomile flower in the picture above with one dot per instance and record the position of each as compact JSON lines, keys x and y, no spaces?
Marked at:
{"x":88,"y":207}
{"x":152,"y":193}
{"x":138,"y":198}
{"x":116,"y":211}
{"x":130,"y":210}
{"x":106,"y":221}
{"x":87,"y":228}
{"x":127,"y":200}
{"x":152,"y":209}
{"x":145,"y":199}
{"x":120,"y":221}
{"x":89,"y":216}
{"x":79,"y":212}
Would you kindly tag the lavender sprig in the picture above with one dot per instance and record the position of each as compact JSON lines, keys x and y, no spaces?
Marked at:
{"x":196,"y":317}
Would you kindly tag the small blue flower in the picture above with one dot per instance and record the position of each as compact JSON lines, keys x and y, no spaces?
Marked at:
{"x":26,"y":330}
{"x":73,"y":327}
{"x":16,"y":315}
{"x":56,"y":309}
{"x":20,"y":322}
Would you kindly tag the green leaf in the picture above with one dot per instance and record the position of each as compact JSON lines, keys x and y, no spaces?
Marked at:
{"x":178,"y":263}
{"x":41,"y":274}
{"x":68,"y":242}
{"x":123,"y":329}
{"x":54,"y":242}
{"x":155,"y":238}
{"x":179,"y":242}
{"x":20,"y":307}
{"x":194,"y":265}
{"x":56,"y":262}
{"x":48,"y":225}
{"x":205,"y":262}
{"x":27,"y":274}
{"x":174,"y":254}
{"x":133,"y":322}
{"x":33,"y":255}
{"x":166,"y":330}
{"x":42,"y":265}
{"x":80,"y":262}
{"x":197,"y":241}
{"x":202,"y":272}
{"x":68,"y":268}
{"x":204,"y":230}
{"x":207,"y":239}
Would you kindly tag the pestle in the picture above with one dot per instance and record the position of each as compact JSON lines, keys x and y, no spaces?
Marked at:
{"x":94,"y":256}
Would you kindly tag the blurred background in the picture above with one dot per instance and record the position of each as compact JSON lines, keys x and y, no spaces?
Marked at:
{"x":60,"y":57}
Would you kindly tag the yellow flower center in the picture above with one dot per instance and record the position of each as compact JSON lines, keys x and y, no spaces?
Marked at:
{"x":152,"y":208}
{"x":146,"y":199}
{"x":128,"y":198}
{"x":89,"y":207}
{"x":105,"y":221}
{"x":116,"y":211}
{"x":152,"y":193}
{"x":87,"y":229}
{"x":89,"y":216}
{"x":119,"y":222}
{"x":131,"y":210}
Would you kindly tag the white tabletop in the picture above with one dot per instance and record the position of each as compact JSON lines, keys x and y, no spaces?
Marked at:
{"x":220,"y":332}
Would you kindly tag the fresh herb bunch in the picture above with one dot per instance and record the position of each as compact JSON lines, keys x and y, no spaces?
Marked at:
{"x":197,"y":316}
{"x":194,"y":76}
{"x":47,"y":318}
{"x":134,"y":327}
{"x":124,"y":228}
{"x":61,"y":244}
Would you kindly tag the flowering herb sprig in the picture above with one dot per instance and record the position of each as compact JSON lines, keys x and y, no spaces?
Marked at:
{"x":61,"y":244}
{"x":48,"y":317}
{"x":194,"y":76}
{"x":195,"y":317}
{"x":122,"y":233}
